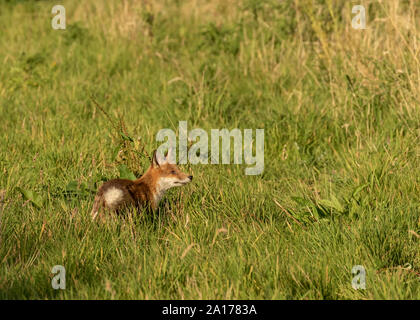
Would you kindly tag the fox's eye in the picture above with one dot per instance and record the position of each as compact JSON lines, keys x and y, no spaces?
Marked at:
{"x":173,"y":172}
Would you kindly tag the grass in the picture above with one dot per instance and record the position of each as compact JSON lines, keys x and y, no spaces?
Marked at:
{"x":340,"y":110}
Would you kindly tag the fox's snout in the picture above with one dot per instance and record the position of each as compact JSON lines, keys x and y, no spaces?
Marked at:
{"x":181,"y":180}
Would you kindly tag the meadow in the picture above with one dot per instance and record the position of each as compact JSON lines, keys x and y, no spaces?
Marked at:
{"x":340,"y":111}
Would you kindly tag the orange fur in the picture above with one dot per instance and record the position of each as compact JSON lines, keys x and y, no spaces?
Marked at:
{"x":117,"y":194}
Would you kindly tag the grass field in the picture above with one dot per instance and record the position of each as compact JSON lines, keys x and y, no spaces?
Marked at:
{"x":341,"y":112}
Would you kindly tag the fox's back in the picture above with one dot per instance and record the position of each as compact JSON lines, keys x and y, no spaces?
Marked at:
{"x":117,"y":193}
{"x":115,"y":183}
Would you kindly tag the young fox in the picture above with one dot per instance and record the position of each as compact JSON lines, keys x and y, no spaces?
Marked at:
{"x":147,"y":190}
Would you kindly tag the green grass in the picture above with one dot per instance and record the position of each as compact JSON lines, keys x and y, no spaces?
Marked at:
{"x":340,"y":110}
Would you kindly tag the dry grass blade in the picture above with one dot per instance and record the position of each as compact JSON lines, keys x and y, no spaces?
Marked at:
{"x":288,"y":214}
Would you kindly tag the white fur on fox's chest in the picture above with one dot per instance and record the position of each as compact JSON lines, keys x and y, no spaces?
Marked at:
{"x":163,"y":185}
{"x":113,"y":197}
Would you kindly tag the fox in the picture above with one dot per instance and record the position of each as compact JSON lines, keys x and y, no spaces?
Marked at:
{"x":147,"y":190}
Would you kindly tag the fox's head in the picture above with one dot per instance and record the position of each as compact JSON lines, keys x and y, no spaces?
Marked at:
{"x":167,"y":175}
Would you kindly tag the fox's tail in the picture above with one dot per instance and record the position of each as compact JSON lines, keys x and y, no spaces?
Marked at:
{"x":96,"y":206}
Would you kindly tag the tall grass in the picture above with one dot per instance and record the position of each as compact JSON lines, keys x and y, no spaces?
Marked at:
{"x":340,"y":110}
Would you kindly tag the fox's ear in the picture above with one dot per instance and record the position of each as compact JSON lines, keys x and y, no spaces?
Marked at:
{"x":170,"y":155}
{"x":155,"y":162}
{"x":158,"y":159}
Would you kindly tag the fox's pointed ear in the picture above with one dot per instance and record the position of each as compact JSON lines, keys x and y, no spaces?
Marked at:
{"x":155,"y":162}
{"x":171,"y":156}
{"x":158,"y":159}
{"x":169,"y":153}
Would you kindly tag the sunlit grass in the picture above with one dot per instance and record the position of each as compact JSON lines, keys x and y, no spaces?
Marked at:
{"x":340,"y":110}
